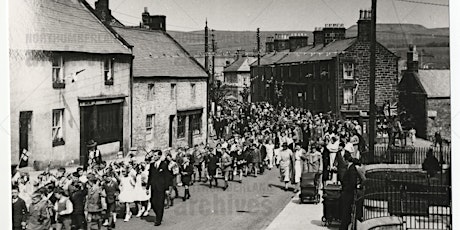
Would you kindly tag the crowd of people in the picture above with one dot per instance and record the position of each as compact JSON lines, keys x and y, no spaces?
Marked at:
{"x":248,"y":139}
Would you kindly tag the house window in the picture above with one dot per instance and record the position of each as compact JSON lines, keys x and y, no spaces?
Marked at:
{"x":193,"y":90}
{"x":181,"y":126}
{"x":348,"y":71}
{"x":58,"y":72}
{"x":348,"y":96}
{"x":196,"y":123}
{"x":149,"y":125}
{"x":314,"y":93}
{"x":57,"y":130}
{"x":173,"y":91}
{"x":151,"y":92}
{"x":108,"y":71}
{"x":328,"y":95}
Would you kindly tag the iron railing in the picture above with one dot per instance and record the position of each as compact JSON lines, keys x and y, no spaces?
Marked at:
{"x":419,"y":201}
{"x":406,"y":155}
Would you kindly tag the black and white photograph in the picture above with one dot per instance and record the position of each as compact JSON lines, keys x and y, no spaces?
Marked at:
{"x":242,"y":114}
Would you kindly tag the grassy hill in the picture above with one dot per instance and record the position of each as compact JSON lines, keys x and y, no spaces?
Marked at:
{"x":434,"y":42}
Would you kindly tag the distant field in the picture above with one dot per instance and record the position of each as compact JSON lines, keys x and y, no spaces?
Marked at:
{"x":434,"y":57}
{"x":434,"y":41}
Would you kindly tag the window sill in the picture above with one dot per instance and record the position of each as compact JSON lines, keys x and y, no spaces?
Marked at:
{"x":58,"y":142}
{"x":58,"y":85}
{"x":349,"y":78}
{"x":109,"y":82}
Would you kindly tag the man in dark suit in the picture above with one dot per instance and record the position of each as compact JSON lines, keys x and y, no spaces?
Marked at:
{"x":349,"y":184}
{"x":340,"y":162}
{"x":158,"y":185}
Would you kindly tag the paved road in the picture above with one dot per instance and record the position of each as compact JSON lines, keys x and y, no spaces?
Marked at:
{"x":253,"y":204}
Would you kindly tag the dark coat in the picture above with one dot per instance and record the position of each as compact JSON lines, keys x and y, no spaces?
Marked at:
{"x":157,"y":177}
{"x":341,"y":166}
{"x":186,"y":172}
{"x":78,"y":199}
{"x":111,"y":191}
{"x":19,"y":213}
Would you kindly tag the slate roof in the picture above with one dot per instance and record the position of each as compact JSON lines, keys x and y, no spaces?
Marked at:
{"x":317,"y":53}
{"x":60,"y":25}
{"x":240,"y":65}
{"x":156,"y":54}
{"x":435,"y":82}
{"x":271,"y":58}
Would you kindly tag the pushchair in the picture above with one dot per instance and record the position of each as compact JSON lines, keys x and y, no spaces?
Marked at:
{"x":331,"y":203}
{"x":309,"y":191}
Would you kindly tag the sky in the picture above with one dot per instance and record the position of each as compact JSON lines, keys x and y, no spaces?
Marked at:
{"x":272,"y":15}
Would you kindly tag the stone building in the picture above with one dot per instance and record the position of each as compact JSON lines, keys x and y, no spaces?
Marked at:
{"x":237,"y":78}
{"x":170,"y":88}
{"x":425,"y":97}
{"x":331,"y":75}
{"x":70,"y":83}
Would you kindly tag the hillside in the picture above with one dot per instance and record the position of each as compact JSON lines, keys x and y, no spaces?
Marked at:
{"x":390,"y":35}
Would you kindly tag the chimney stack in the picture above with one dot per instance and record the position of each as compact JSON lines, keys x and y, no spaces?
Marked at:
{"x":333,"y":32}
{"x":297,"y":40}
{"x":412,"y":59}
{"x":281,"y":42}
{"x":318,"y":36}
{"x":154,"y":22}
{"x":102,"y":11}
{"x":269,"y":44}
{"x":364,"y":25}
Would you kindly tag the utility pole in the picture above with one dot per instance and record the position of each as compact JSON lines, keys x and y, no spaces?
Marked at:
{"x":208,"y":90}
{"x":372,"y":82}
{"x":206,"y":48}
{"x":213,"y":58}
{"x":258,"y":46}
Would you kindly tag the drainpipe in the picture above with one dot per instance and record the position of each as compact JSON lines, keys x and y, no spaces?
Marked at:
{"x":131,"y":82}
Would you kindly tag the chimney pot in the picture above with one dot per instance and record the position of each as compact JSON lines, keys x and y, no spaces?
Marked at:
{"x":146,"y":9}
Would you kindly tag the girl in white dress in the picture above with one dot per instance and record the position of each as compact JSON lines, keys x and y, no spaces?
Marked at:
{"x":127,"y":183}
{"x":270,"y":147}
{"x":140,"y":190}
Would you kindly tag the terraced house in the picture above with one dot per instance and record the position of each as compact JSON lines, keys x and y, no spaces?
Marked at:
{"x":330,"y":75}
{"x":70,"y":83}
{"x":169,"y":86}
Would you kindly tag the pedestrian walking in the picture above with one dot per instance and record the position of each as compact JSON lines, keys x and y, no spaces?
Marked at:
{"x":186,"y":172}
{"x":158,"y":185}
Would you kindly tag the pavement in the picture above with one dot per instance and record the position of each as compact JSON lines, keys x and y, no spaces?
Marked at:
{"x":298,"y":216}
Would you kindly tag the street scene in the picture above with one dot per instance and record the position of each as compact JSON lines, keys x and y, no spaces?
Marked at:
{"x":230,"y":114}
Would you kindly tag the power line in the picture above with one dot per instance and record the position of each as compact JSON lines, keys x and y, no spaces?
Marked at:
{"x":397,"y":16}
{"x":426,"y":3}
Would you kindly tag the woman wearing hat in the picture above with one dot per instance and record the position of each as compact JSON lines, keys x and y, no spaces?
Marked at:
{"x":285,"y":159}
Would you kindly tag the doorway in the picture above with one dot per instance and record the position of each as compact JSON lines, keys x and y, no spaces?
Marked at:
{"x":25,"y":127}
{"x":190,"y":130}
{"x":171,"y":126}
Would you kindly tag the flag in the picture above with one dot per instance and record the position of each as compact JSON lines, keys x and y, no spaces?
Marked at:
{"x":75,"y":75}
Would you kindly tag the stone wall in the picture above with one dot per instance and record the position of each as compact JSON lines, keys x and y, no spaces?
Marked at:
{"x":163,"y":105}
{"x":32,"y":90}
{"x":442,"y":119}
{"x":386,"y":80}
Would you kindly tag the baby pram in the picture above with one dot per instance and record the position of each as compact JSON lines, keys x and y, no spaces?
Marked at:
{"x":309,"y":188}
{"x":331,"y":203}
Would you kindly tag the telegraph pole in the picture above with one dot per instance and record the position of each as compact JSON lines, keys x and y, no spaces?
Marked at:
{"x":208,"y":90}
{"x":372,"y":82}
{"x":213,"y":57}
{"x":258,"y":46}
{"x":206,"y":48}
